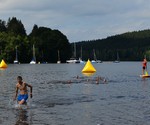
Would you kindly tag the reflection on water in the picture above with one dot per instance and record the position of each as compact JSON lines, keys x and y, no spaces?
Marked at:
{"x":22,"y":118}
{"x":63,"y":96}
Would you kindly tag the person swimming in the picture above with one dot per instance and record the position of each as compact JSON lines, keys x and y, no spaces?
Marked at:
{"x":98,"y":79}
{"x":22,"y":86}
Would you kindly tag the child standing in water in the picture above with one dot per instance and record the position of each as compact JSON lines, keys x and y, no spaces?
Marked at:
{"x":144,"y":63}
{"x":22,"y":86}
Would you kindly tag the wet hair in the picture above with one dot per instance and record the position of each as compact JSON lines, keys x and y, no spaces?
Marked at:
{"x":19,"y":77}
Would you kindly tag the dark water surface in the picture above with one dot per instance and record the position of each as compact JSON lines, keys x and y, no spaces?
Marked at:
{"x":61,"y":99}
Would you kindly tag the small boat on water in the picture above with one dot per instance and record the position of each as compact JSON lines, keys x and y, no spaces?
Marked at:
{"x":16,"y":59}
{"x":99,"y":61}
{"x":16,"y":62}
{"x":58,"y":62}
{"x":33,"y":61}
{"x":73,"y":60}
{"x":93,"y":61}
{"x":81,"y":61}
{"x":118,"y":59}
{"x":95,"y":58}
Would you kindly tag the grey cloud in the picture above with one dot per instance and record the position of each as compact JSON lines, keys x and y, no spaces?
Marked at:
{"x":80,"y":19}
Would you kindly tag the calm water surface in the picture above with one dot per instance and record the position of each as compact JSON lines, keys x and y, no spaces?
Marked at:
{"x":125,"y":100}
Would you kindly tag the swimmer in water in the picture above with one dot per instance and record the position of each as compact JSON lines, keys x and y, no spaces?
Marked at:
{"x":98,"y":79}
{"x":22,"y":86}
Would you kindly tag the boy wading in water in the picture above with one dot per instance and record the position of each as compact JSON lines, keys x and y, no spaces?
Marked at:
{"x":23,"y":96}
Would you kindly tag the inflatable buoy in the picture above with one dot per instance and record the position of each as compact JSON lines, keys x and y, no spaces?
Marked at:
{"x":88,"y":74}
{"x":3,"y":64}
{"x":88,"y":68}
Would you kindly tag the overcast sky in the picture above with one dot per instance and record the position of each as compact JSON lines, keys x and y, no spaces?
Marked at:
{"x":80,"y":19}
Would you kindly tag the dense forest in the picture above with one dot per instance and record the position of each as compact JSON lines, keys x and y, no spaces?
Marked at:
{"x":131,"y":46}
{"x":47,"y":42}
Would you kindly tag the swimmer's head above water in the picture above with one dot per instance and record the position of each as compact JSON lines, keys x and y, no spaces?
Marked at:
{"x":19,"y":79}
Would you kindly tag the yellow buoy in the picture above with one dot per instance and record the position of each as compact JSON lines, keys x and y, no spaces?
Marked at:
{"x":88,"y":68}
{"x":88,"y":74}
{"x":3,"y":64}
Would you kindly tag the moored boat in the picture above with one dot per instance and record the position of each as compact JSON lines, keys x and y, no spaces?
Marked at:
{"x":33,"y":61}
{"x":16,"y":59}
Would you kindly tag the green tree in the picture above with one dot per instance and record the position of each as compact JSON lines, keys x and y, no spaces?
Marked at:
{"x":3,"y":26}
{"x":130,"y":46}
{"x":48,"y":42}
{"x":15,"y":26}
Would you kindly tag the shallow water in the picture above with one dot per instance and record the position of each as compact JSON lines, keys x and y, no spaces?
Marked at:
{"x":59,"y":98}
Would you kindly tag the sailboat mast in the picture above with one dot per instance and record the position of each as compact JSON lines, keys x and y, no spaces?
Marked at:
{"x":118,"y":57}
{"x":34,"y":53}
{"x":58,"y":56}
{"x":94,"y":55}
{"x":81,"y":52}
{"x":16,"y":54}
{"x":74,"y":50}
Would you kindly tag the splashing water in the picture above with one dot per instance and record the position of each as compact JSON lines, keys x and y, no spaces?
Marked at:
{"x":14,"y":104}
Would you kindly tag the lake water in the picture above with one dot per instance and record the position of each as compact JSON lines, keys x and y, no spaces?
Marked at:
{"x":59,"y":98}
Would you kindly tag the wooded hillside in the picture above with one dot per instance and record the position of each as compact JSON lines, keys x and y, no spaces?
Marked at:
{"x":131,"y":46}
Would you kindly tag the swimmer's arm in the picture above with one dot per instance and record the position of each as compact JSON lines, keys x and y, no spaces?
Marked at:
{"x":16,"y":93}
{"x":30,"y":89}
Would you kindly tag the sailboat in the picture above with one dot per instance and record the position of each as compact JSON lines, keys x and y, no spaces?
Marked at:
{"x":94,"y":61}
{"x":118,"y":59}
{"x":80,"y":59}
{"x":73,"y":60}
{"x":16,"y":60}
{"x":95,"y":58}
{"x":33,"y":61}
{"x":58,"y":58}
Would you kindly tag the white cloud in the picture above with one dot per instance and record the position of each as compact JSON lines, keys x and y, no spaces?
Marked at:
{"x":80,"y":20}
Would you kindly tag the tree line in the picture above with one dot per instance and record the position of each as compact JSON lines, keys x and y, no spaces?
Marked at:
{"x":131,"y":46}
{"x":47,"y":42}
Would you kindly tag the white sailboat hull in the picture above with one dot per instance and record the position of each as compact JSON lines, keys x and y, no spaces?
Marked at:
{"x":32,"y":62}
{"x":73,"y":61}
{"x":93,"y":61}
{"x":116,"y":61}
{"x":58,"y":62}
{"x":16,"y":62}
{"x":82,"y":62}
